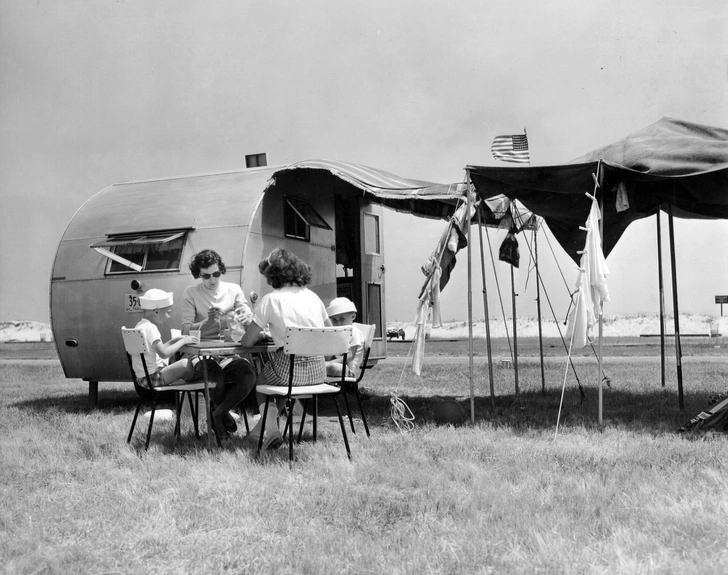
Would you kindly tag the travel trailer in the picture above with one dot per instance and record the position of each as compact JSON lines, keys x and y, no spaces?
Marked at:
{"x":130,"y":237}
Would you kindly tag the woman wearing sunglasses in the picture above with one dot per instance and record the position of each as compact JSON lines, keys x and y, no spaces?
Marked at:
{"x":208,"y":306}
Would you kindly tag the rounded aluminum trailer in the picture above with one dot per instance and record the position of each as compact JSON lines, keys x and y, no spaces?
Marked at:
{"x":238,"y":214}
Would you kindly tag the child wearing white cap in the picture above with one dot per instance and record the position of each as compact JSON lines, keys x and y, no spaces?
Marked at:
{"x":156,"y":310}
{"x":342,"y":311}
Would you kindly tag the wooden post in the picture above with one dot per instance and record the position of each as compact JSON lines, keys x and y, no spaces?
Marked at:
{"x":470,"y":303}
{"x":676,"y":312}
{"x":599,"y":180}
{"x":485,"y":309}
{"x":538,"y":310}
{"x":515,"y":334}
{"x":661,"y":288}
{"x":93,"y":393}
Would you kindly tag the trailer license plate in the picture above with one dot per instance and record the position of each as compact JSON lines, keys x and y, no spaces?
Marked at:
{"x":132,"y":303}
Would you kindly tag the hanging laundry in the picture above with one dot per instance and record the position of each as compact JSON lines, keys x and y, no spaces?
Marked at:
{"x":509,"y":250}
{"x":591,"y":284}
{"x":622,"y":202}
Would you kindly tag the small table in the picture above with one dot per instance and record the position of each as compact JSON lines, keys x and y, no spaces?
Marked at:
{"x":217,"y":348}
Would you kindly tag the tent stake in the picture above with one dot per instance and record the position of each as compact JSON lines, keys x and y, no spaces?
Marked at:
{"x":485,"y":310}
{"x":678,"y":347}
{"x":662,"y":299}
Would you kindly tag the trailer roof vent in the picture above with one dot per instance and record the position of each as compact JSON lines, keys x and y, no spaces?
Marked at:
{"x":255,"y":160}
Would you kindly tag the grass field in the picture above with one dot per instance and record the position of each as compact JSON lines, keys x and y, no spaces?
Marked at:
{"x":505,"y":495}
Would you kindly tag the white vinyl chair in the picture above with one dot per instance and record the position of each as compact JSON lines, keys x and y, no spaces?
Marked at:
{"x":308,"y":341}
{"x":135,"y":344}
{"x":352,"y":383}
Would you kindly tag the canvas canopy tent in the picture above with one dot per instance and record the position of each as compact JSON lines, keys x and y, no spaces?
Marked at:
{"x":669,"y":163}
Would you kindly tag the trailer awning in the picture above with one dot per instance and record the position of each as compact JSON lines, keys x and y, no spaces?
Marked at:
{"x":418,"y":197}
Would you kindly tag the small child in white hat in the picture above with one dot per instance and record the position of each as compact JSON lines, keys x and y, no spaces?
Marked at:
{"x":156,"y":310}
{"x":342,"y":311}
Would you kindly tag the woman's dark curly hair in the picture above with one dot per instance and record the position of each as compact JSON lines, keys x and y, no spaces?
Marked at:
{"x":282,"y":267}
{"x":205,"y":259}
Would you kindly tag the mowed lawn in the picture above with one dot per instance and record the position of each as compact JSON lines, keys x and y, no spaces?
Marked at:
{"x":503,"y":495}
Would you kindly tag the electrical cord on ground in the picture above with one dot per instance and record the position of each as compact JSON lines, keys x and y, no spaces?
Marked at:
{"x":401,"y":414}
{"x":399,"y":411}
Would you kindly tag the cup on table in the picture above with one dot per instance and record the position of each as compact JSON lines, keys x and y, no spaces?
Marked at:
{"x":196,"y":333}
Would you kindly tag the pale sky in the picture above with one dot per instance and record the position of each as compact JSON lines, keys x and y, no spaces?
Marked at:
{"x":96,"y":93}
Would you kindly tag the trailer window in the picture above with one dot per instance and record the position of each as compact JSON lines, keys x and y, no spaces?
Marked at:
{"x":148,"y":251}
{"x":371,"y":234}
{"x":299,"y":217}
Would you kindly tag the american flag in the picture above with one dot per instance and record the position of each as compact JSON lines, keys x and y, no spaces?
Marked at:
{"x":511,"y":148}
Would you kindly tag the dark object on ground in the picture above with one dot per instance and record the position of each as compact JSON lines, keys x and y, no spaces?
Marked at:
{"x":713,"y":419}
{"x":450,"y":412}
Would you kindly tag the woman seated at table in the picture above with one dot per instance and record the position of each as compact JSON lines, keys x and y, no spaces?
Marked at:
{"x":209,"y":306}
{"x":290,"y":303}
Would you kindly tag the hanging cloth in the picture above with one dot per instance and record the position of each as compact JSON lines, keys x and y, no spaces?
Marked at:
{"x":591,"y":284}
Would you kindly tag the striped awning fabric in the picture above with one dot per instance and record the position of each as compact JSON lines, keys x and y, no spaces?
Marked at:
{"x":419,"y":197}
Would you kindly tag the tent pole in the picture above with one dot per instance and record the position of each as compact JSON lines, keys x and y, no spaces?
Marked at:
{"x":678,"y":347}
{"x":662,"y":298}
{"x":600,"y":419}
{"x":485,"y":309}
{"x":538,"y":310}
{"x":515,"y":334}
{"x":470,"y":304}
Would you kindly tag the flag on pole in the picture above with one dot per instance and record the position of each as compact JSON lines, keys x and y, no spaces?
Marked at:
{"x":511,"y":148}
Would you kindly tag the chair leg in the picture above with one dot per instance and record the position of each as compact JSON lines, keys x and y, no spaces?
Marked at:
{"x":194,"y":411}
{"x":315,"y":418}
{"x":262,"y":424}
{"x":361,"y":410}
{"x":343,"y":428}
{"x":348,"y":409}
{"x":303,"y":419}
{"x":177,"y":412}
{"x":151,"y":422}
{"x":245,"y":419}
{"x":133,"y":421}
{"x":289,"y":426}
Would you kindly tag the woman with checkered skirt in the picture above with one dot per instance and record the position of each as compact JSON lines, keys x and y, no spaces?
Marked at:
{"x":290,"y":303}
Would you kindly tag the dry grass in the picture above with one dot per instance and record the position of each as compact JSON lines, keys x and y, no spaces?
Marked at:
{"x":501,"y":496}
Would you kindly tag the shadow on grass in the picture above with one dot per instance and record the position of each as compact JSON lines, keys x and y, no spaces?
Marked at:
{"x":652,"y":412}
{"x":649,"y":412}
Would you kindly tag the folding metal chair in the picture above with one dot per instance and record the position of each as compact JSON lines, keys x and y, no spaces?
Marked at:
{"x":352,"y":383}
{"x":136,"y":344}
{"x":308,"y":341}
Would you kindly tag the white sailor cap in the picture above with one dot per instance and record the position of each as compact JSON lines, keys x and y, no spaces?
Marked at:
{"x":156,"y":299}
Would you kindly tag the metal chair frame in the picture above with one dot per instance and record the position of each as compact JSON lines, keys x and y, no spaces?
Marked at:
{"x":308,"y":341}
{"x":352,"y":383}
{"x":135,"y":344}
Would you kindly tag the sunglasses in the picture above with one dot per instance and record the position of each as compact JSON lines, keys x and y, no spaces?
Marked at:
{"x":212,"y":275}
